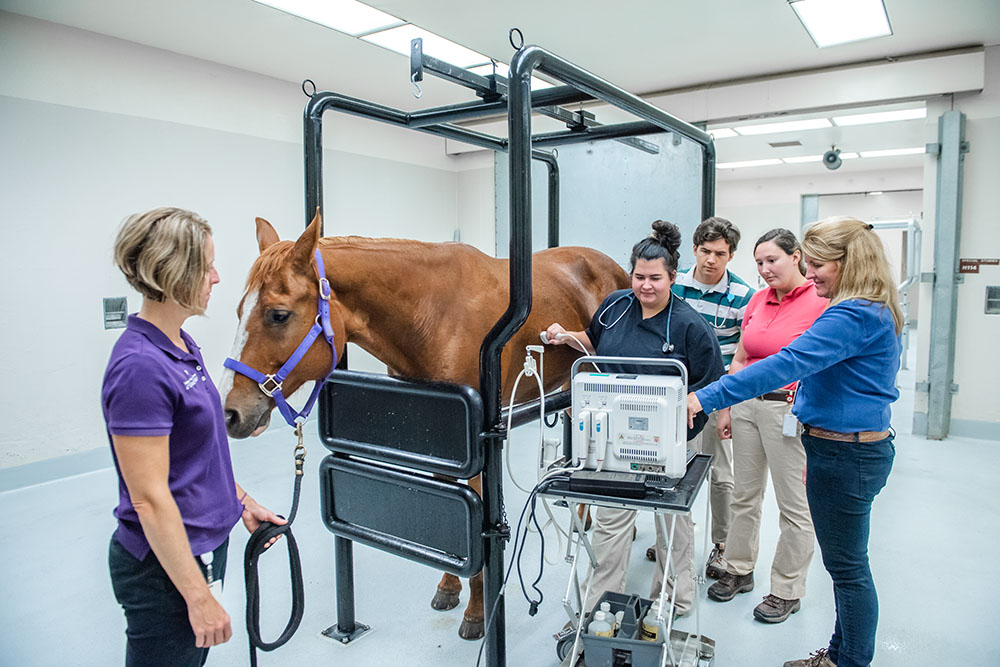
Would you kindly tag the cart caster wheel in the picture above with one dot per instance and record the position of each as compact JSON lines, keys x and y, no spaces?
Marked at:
{"x":564,"y":646}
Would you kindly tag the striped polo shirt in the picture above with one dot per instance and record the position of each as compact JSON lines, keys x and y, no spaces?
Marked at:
{"x":723,"y":306}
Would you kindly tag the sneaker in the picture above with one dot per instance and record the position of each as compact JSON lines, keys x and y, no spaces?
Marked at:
{"x":726,"y":588}
{"x":651,"y":553}
{"x":716,"y":566}
{"x":816,"y":659}
{"x":775,"y":610}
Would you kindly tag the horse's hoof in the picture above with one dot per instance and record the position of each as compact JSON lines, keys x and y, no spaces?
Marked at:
{"x":443,"y":600}
{"x":471,"y":629}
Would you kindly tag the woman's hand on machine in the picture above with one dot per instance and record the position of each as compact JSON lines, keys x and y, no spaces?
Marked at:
{"x":694,"y":407}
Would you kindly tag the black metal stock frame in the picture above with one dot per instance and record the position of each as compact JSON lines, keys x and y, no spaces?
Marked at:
{"x":515,"y":98}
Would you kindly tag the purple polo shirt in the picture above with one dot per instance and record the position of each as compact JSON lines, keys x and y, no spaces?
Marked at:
{"x":153,"y":388}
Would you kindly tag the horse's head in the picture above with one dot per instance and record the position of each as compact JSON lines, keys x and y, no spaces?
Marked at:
{"x":278,"y":309}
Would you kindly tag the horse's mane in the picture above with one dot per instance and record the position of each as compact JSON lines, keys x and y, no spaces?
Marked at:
{"x":277,"y":254}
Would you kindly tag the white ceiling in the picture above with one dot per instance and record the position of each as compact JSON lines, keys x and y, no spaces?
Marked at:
{"x":644,"y":46}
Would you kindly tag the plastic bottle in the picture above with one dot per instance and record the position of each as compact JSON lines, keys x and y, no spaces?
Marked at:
{"x":606,"y":608}
{"x":650,"y":629}
{"x":619,"y":617}
{"x":599,"y":626}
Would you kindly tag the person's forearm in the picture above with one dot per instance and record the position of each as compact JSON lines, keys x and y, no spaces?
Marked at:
{"x":164,"y":530}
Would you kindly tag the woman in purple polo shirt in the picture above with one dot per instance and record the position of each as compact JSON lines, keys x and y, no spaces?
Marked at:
{"x":847,"y":363}
{"x":178,"y":499}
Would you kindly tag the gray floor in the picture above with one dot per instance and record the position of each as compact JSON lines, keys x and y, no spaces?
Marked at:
{"x":934,"y":528}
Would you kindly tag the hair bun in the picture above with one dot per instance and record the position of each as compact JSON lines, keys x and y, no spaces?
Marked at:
{"x":667,"y":235}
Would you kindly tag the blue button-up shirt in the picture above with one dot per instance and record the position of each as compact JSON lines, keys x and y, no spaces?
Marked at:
{"x":847,"y":363}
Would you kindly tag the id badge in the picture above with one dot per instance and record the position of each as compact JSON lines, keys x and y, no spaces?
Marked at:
{"x":216,"y":588}
{"x":789,"y":425}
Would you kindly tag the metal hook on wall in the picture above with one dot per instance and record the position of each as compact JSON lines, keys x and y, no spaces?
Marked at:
{"x":311,"y":83}
{"x":417,"y":93}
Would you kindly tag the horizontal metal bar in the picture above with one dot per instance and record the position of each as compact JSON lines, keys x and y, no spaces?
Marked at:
{"x":528,"y":412}
{"x":477,"y":109}
{"x":617,"y":131}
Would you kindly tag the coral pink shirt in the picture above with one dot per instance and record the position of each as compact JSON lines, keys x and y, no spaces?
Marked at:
{"x":770,"y":325}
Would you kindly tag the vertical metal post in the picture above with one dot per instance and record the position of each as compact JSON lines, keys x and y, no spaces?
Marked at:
{"x":343,"y":554}
{"x":708,"y":181}
{"x":944,"y":307}
{"x":553,"y":203}
{"x":312,"y":143}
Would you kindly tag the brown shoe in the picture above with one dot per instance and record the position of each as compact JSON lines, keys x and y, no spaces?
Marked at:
{"x":817,"y":659}
{"x":716,"y":566}
{"x":651,"y":553}
{"x":728,"y":585}
{"x":775,"y":610}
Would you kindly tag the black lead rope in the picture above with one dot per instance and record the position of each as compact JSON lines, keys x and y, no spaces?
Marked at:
{"x":255,"y":547}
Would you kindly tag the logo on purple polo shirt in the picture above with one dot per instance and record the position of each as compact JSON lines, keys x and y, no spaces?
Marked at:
{"x":190,"y":380}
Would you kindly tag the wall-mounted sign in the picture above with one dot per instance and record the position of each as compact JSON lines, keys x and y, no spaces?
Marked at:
{"x":970,"y":265}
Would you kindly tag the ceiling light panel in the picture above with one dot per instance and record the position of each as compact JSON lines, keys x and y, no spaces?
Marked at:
{"x":893,"y":151}
{"x":747,"y":163}
{"x":722,"y":133}
{"x":815,"y":158}
{"x":785,"y":126}
{"x":832,"y":22}
{"x":880,"y":117}
{"x":398,"y":40}
{"x":348,"y":16}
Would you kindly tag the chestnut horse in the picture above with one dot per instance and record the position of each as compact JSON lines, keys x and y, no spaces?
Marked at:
{"x":423,"y":309}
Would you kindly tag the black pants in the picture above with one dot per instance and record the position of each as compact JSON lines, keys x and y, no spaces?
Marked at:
{"x":158,"y":630}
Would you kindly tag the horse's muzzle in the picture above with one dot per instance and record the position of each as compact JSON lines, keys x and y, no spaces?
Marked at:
{"x":243,"y":424}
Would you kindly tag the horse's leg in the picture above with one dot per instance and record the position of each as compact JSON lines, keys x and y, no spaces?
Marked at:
{"x":472,"y":623}
{"x":446,"y":596}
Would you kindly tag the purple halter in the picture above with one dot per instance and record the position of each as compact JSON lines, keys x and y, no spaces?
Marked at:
{"x":271,"y":384}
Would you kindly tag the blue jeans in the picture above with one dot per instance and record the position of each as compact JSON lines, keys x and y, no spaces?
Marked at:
{"x":158,"y":630}
{"x":842,"y":480}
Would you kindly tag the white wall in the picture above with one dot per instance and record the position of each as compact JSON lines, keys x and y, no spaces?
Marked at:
{"x":94,"y":129}
{"x":758,"y":205}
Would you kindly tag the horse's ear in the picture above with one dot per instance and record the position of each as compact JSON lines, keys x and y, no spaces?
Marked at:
{"x":304,"y":247}
{"x":266,"y":236}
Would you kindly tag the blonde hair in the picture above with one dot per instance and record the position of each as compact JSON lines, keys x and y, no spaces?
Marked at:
{"x":162,"y":254}
{"x":864,"y":268}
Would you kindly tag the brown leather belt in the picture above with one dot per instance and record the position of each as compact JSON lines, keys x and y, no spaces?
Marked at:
{"x":783,"y":396}
{"x":862,"y":436}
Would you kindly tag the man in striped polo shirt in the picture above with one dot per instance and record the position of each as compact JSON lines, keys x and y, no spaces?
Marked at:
{"x":721,"y":297}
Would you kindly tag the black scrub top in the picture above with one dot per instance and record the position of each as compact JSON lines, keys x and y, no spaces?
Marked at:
{"x":695,"y":344}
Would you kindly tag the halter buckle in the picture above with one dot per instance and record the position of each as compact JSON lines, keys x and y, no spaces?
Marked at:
{"x":325,"y":291}
{"x":269,"y":392}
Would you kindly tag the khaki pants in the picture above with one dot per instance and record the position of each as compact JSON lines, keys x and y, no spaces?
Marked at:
{"x":612,"y":542}
{"x":759,"y":447}
{"x":721,"y":497}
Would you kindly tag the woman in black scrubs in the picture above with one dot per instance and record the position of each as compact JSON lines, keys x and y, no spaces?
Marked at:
{"x":647,"y":321}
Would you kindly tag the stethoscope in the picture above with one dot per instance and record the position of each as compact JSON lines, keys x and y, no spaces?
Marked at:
{"x":728,"y":296}
{"x":668,"y":347}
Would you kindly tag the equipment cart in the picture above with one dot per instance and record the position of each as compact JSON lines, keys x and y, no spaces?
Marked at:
{"x":665,"y":497}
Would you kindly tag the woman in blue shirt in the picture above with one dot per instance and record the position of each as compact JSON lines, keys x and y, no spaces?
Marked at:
{"x":847,"y":362}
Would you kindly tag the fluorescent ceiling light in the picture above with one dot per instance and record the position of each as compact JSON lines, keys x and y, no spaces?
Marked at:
{"x":832,"y":22}
{"x":398,"y":40}
{"x":748,"y":163}
{"x":784,"y":126}
{"x":874,"y":193}
{"x":893,"y":151}
{"x":722,"y":133}
{"x":815,"y":158}
{"x":347,"y":16}
{"x":880,"y":117}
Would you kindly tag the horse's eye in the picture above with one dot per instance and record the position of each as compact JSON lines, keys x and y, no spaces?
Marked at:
{"x":278,"y":316}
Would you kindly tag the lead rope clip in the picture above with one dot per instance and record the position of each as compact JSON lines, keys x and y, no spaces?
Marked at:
{"x":299,"y":454}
